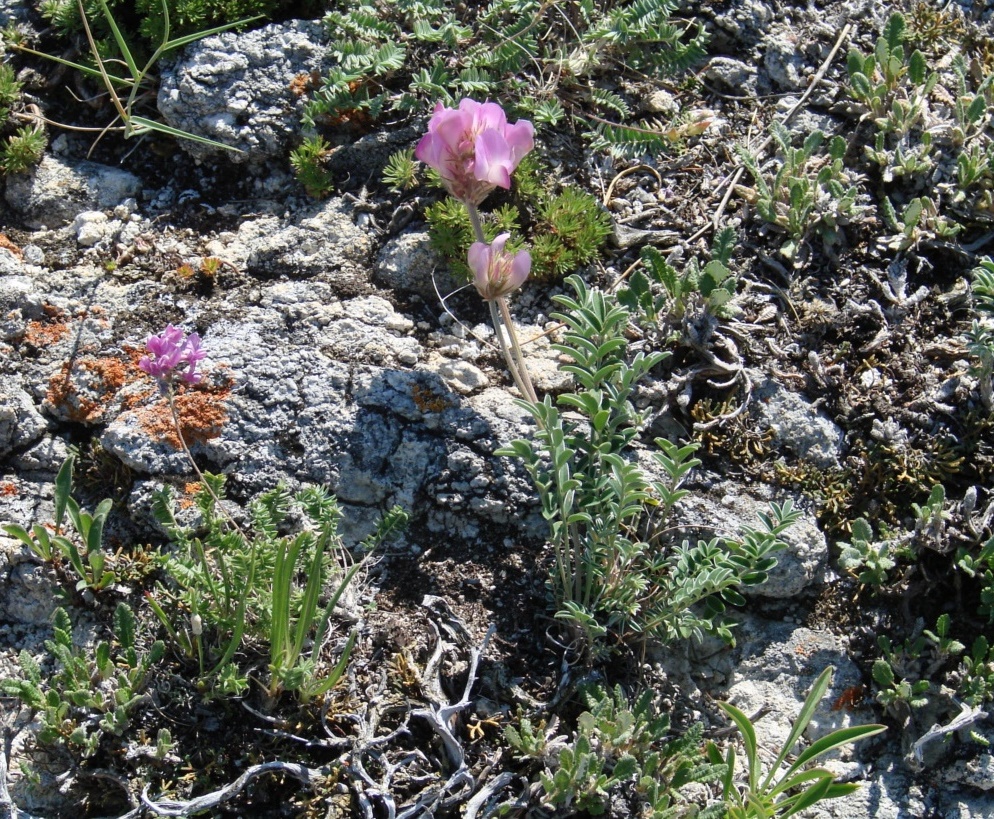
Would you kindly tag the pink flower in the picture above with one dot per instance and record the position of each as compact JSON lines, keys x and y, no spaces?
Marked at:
{"x":473,"y":148}
{"x":169,"y":351}
{"x":496,"y":272}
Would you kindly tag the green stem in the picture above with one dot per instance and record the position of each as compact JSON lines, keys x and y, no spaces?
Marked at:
{"x":474,"y":220}
{"x":239,"y":626}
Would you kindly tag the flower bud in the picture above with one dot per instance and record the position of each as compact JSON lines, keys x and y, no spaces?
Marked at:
{"x":497,"y":272}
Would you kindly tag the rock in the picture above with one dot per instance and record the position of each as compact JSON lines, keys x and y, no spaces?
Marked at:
{"x":782,"y":61}
{"x":91,"y":226}
{"x":462,"y":376}
{"x":54,"y":192}
{"x":31,"y":596}
{"x":322,"y":241}
{"x":795,"y":423}
{"x":732,"y":76}
{"x":661,"y":101}
{"x":20,"y":422}
{"x":408,"y":264}
{"x":745,"y":21}
{"x":236,"y":88}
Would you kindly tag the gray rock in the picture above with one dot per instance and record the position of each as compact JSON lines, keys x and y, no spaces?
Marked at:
{"x":46,"y":455}
{"x":91,"y":226}
{"x":322,"y":241}
{"x":408,"y":264}
{"x":745,"y":21}
{"x":236,"y":89}
{"x":20,"y":422}
{"x":462,"y":376}
{"x":732,"y":76}
{"x":30,"y":597}
{"x":54,"y":192}
{"x":796,"y":424}
{"x":782,"y":60}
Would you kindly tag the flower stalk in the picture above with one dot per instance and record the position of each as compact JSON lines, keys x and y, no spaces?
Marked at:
{"x":474,"y":149}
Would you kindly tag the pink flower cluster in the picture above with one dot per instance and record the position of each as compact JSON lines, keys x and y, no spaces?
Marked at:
{"x":169,"y":351}
{"x":497,"y":272}
{"x":473,"y":148}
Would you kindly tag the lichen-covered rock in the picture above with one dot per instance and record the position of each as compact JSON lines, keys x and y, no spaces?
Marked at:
{"x":20,"y":422}
{"x":237,"y":88}
{"x":796,"y":424}
{"x":323,"y":240}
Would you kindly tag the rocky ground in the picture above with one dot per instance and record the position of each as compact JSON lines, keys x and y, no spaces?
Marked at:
{"x":841,"y":383}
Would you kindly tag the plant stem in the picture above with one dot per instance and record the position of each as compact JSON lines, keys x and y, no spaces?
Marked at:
{"x":500,"y":317}
{"x":171,"y":398}
{"x":529,"y":389}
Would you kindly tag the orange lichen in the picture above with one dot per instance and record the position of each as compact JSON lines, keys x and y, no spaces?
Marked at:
{"x":8,"y":488}
{"x":200,"y":411}
{"x":189,"y":492}
{"x":7,"y":244}
{"x":41,"y":334}
{"x":428,"y":401}
{"x":84,"y":387}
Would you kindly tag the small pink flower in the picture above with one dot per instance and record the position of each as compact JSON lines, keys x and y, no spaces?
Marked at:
{"x":169,"y":351}
{"x":473,"y":148}
{"x":496,"y":272}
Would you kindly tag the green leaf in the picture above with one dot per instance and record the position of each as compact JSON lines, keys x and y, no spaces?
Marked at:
{"x":63,"y":489}
{"x":803,"y":718}
{"x":917,"y":68}
{"x":748,"y":732}
{"x":160,"y":127}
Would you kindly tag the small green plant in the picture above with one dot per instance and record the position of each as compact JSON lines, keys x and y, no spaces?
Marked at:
{"x":87,"y":696}
{"x":400,"y":172}
{"x":931,"y":519}
{"x":619,"y":743}
{"x":980,"y":567}
{"x":606,"y":515}
{"x":530,"y":740}
{"x":980,"y":338}
{"x":10,"y":91}
{"x":83,"y":552}
{"x":904,"y":675}
{"x":307,"y":162}
{"x":24,"y":146}
{"x":221,"y":607}
{"x":782,"y":793}
{"x":569,"y":230}
{"x":864,"y":553}
{"x":976,"y":674}
{"x":808,"y":192}
{"x":659,"y":296}
{"x":891,"y":83}
{"x":919,"y":221}
{"x":565,"y":228}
